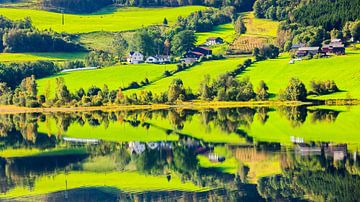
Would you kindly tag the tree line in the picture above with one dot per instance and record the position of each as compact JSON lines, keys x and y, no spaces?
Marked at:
{"x":22,"y":36}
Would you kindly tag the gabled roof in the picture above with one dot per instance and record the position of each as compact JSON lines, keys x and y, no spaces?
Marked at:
{"x":309,"y":48}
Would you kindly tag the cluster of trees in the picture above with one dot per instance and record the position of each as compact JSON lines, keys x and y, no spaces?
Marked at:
{"x":205,"y":20}
{"x":12,"y":74}
{"x":155,"y":41}
{"x":265,"y":52}
{"x":323,"y":87}
{"x":227,"y":88}
{"x":328,"y":14}
{"x":82,"y":6}
{"x":21,"y":36}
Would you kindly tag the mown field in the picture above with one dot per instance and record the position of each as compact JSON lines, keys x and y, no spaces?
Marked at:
{"x":108,"y":19}
{"x":193,"y":76}
{"x":225,"y":31}
{"x":124,"y":181}
{"x":258,"y":33}
{"x":30,"y":57}
{"x":342,"y":69}
{"x":115,"y":76}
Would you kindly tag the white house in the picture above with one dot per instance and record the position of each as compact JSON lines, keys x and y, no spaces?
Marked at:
{"x":158,"y":59}
{"x":135,"y":58}
{"x":213,"y":41}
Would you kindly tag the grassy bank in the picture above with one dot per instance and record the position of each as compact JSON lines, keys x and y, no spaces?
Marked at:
{"x":30,"y":57}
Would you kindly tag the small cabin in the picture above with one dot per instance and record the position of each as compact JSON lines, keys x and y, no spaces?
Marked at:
{"x":213,"y":41}
{"x":336,"y":47}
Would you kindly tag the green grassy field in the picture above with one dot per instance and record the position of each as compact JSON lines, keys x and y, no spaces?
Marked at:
{"x":105,"y":20}
{"x":225,"y":31}
{"x":260,"y":27}
{"x":132,"y":182}
{"x":342,"y":69}
{"x":28,"y":57}
{"x":193,"y":76}
{"x":114,"y":77}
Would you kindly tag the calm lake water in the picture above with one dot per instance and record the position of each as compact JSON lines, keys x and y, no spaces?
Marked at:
{"x":234,"y":154}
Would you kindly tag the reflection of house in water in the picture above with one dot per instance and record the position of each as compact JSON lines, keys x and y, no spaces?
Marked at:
{"x":81,"y":140}
{"x":305,"y":149}
{"x":337,"y":152}
{"x":136,"y":147}
{"x":213,"y":157}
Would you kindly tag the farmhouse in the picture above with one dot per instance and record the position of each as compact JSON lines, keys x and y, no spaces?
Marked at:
{"x":334,"y":47}
{"x":135,"y":58}
{"x":296,"y":47}
{"x":213,"y":41}
{"x":304,"y":51}
{"x":158,"y":59}
{"x":195,"y":54}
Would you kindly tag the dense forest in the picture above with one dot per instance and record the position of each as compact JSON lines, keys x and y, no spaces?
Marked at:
{"x":326,"y":13}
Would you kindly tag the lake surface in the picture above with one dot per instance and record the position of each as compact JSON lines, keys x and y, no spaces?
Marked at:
{"x":235,"y":154}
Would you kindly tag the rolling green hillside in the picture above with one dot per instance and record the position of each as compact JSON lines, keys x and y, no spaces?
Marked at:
{"x":193,"y":76}
{"x":342,"y":69}
{"x":106,"y":20}
{"x":114,"y":77}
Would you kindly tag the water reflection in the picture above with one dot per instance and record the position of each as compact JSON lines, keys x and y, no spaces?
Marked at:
{"x":251,"y":154}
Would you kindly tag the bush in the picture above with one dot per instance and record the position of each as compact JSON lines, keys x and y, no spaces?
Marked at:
{"x":323,"y":87}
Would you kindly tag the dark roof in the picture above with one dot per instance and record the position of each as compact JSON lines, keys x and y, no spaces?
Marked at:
{"x":197,"y":53}
{"x":213,"y":38}
{"x":309,"y":48}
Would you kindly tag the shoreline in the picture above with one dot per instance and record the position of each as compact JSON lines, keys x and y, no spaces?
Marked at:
{"x":11,"y":109}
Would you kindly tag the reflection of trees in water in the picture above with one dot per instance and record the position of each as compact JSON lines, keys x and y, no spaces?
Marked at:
{"x":324,"y":115}
{"x":295,"y":114}
{"x":317,"y":176}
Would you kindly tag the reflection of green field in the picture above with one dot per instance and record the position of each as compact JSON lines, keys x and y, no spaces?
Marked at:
{"x":109,"y":19}
{"x":345,"y":129}
{"x":342,"y":69}
{"x":125,"y":181}
{"x":193,"y":76}
{"x":196,"y":129}
{"x":116,"y":132}
{"x":12,"y":153}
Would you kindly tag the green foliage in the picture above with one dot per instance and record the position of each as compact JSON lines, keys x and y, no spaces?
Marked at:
{"x":176,"y":91}
{"x":82,"y":6}
{"x":323,"y":87}
{"x":239,"y":26}
{"x":183,"y":41}
{"x":99,"y":59}
{"x":120,"y":45}
{"x":295,"y":91}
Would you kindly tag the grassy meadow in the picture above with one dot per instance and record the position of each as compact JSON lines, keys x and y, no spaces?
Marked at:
{"x":277,"y":72}
{"x":115,"y":76}
{"x":30,"y":57}
{"x":193,"y":76}
{"x":108,"y":19}
{"x":225,"y":31}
